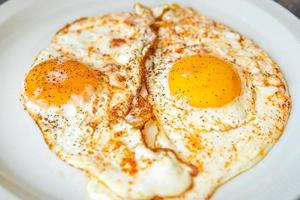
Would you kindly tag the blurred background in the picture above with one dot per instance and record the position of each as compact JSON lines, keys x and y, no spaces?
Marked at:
{"x":292,"y":5}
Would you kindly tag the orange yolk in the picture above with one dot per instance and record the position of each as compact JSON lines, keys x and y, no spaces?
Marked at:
{"x":54,"y":81}
{"x":206,"y":81}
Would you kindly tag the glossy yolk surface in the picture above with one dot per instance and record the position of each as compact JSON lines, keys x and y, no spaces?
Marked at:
{"x":206,"y":81}
{"x":54,"y":81}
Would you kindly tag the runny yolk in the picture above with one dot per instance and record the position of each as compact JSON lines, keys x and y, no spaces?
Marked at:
{"x":54,"y":81}
{"x":206,"y":81}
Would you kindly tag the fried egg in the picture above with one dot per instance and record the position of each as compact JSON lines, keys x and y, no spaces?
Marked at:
{"x":219,"y":100}
{"x":81,"y":90}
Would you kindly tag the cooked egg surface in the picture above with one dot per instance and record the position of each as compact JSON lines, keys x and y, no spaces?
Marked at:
{"x":206,"y":81}
{"x":79,"y":92}
{"x":219,"y":100}
{"x":53,"y":82}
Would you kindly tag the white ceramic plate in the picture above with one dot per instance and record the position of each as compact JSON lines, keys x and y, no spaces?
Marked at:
{"x":28,"y":170}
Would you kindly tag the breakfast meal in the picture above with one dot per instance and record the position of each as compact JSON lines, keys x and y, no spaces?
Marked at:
{"x":157,"y":103}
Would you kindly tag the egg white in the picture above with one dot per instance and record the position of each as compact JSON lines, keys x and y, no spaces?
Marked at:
{"x":221,"y":142}
{"x":93,"y":135}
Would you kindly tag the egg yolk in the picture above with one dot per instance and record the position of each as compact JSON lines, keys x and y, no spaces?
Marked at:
{"x":54,"y":81}
{"x":206,"y":81}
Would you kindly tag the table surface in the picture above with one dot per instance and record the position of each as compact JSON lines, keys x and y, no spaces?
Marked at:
{"x":292,"y":5}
